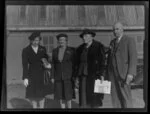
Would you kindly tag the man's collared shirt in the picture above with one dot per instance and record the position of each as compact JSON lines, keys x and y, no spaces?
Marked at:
{"x":118,"y":39}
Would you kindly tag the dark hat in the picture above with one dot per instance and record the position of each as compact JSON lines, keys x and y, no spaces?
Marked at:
{"x":34,"y":35}
{"x":62,"y":35}
{"x":87,"y":31}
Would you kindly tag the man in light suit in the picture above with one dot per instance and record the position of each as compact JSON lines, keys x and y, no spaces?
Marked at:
{"x":122,"y":60}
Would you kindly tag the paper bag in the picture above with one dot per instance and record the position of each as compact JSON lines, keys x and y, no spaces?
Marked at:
{"x":104,"y":87}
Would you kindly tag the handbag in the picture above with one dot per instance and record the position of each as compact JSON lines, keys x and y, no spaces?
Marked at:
{"x":47,"y":77}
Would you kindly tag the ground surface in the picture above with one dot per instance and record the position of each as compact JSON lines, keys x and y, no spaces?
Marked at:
{"x":16,"y":98}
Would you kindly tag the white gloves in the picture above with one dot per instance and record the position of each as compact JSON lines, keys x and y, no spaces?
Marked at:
{"x":46,"y":63}
{"x":48,"y":66}
{"x":26,"y":83}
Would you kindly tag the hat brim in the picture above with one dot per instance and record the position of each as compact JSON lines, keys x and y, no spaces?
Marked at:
{"x":84,"y":33}
{"x":61,"y":35}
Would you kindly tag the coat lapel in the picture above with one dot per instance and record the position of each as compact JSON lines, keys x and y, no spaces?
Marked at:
{"x":119,"y":44}
{"x":65,"y":53}
{"x":31,"y":49}
{"x":91,"y":47}
{"x":56,"y":53}
{"x":39,"y":50}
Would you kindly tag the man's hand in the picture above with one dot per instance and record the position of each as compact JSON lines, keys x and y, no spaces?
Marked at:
{"x":129,"y":79}
{"x":102,"y":79}
{"x":52,"y":80}
{"x":26,"y":82}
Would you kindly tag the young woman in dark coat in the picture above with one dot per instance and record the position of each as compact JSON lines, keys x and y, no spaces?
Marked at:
{"x":33,"y":70}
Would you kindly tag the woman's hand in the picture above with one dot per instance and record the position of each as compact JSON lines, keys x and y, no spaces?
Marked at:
{"x":26,"y":82}
{"x":46,"y":63}
{"x":48,"y":66}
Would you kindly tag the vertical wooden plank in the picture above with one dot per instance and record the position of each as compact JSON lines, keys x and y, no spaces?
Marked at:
{"x":36,"y":15}
{"x":53,"y":15}
{"x":75,"y":10}
{"x":92,"y":14}
{"x":111,"y":15}
{"x":50,"y":15}
{"x":32,"y":16}
{"x":68,"y":15}
{"x":47,"y":15}
{"x":13,"y":15}
{"x":56,"y":15}
{"x":87,"y":15}
{"x":9,"y":15}
{"x":62,"y":15}
{"x":120,"y":14}
{"x":42,"y":15}
{"x":16,"y":19}
{"x":130,"y":15}
{"x":22,"y":15}
{"x":101,"y":19}
{"x":71,"y":15}
{"x":140,"y":15}
{"x":81,"y":15}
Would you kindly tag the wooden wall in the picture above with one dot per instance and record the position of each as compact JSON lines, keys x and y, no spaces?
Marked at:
{"x":73,"y":15}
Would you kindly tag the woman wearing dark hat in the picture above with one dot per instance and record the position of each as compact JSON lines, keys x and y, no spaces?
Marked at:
{"x":33,"y":57}
{"x":62,"y":70}
{"x":90,"y":64}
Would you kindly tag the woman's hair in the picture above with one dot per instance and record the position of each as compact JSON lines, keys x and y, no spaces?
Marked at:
{"x":62,"y":35}
{"x":34,"y":35}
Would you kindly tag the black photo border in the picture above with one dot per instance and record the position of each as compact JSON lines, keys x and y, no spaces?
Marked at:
{"x":69,"y":2}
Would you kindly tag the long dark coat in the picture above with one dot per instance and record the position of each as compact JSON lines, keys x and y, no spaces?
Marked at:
{"x":33,"y":70}
{"x":62,"y":73}
{"x":96,"y":66}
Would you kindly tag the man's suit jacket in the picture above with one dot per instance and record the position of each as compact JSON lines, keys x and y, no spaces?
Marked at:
{"x":63,"y":70}
{"x":126,"y":56}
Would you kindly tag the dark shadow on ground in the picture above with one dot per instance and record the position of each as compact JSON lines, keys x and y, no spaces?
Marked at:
{"x":19,"y":103}
{"x":50,"y":103}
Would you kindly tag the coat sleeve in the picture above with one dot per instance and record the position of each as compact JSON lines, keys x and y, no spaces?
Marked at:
{"x":74,"y":63}
{"x":77,"y":61}
{"x":53,"y":65}
{"x":102,"y":59}
{"x":110,"y":49}
{"x":25,"y":64}
{"x":132,"y":57}
{"x":45,"y":53}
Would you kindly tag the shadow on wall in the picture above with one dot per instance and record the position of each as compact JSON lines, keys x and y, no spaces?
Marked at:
{"x":19,"y":103}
